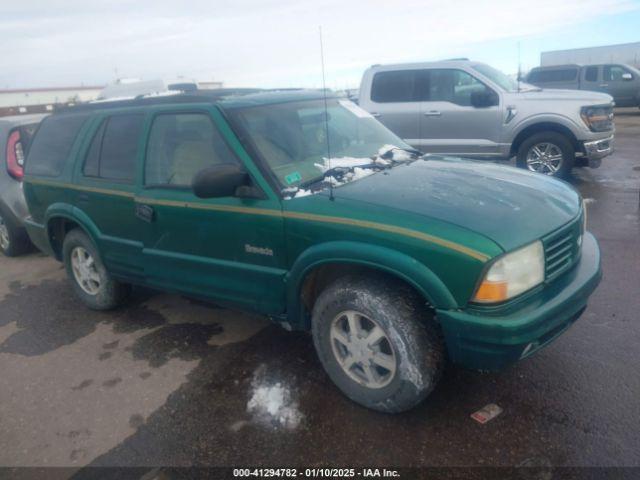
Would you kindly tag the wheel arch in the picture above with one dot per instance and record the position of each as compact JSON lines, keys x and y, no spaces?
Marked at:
{"x":321,"y":264}
{"x":60,"y":219}
{"x":544,"y":126}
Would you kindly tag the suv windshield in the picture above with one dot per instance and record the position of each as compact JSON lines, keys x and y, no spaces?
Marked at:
{"x":496,"y":76}
{"x":292,"y":138}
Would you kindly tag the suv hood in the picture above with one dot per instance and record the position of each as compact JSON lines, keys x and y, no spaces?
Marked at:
{"x":510,"y":206}
{"x":578,"y":95}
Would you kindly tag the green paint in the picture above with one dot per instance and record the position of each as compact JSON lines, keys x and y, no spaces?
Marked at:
{"x":434,"y":224}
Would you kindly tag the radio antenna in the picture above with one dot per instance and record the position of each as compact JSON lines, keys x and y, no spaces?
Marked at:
{"x":326,"y":113}
{"x":519,"y":69}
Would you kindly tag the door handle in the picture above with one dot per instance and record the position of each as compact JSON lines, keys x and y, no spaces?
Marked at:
{"x":83,"y":197}
{"x":145,"y":212}
{"x":604,"y":84}
{"x":375,"y":114}
{"x":432,"y":113}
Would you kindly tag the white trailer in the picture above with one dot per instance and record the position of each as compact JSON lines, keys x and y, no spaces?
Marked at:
{"x":628,"y":53}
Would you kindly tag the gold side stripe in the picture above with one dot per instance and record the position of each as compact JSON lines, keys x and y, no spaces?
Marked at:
{"x":391,"y":229}
{"x":82,"y":188}
{"x":277,"y":213}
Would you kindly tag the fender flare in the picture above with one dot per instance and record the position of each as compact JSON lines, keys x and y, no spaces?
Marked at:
{"x":415,"y":273}
{"x":561,"y":120}
{"x":69,"y":212}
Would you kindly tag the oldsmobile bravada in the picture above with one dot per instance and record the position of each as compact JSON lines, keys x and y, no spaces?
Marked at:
{"x":320,"y":218}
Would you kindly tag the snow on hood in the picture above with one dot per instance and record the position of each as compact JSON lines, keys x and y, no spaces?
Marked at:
{"x":354,"y":163}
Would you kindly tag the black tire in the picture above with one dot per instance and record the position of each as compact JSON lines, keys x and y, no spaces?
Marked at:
{"x":410,"y":329}
{"x":561,"y":141}
{"x":110,"y":292}
{"x":18,"y":240}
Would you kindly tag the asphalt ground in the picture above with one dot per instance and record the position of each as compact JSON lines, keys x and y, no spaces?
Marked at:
{"x":174,"y":382}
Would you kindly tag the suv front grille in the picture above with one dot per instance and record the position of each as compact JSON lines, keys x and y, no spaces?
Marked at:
{"x":562,"y":249}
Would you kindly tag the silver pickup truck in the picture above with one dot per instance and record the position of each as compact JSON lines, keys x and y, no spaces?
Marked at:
{"x":470,"y":109}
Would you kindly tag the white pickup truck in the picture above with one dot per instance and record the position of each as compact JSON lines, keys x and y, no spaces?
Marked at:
{"x":470,"y":109}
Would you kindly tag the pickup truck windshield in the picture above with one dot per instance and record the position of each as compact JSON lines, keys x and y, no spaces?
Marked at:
{"x":292,"y":137}
{"x":496,"y":76}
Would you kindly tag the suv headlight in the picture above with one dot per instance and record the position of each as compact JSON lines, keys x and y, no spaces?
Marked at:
{"x":599,"y":118}
{"x":512,"y":274}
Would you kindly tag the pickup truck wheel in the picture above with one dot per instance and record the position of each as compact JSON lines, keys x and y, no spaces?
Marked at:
{"x":13,"y":241}
{"x":377,"y":342}
{"x":91,"y":281}
{"x":549,"y":153}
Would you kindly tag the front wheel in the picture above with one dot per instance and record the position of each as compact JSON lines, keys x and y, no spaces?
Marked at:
{"x":549,"y":153}
{"x":377,"y":342}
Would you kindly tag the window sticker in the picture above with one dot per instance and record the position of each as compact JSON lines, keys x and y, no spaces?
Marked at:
{"x":293,"y":178}
{"x":355,"y":109}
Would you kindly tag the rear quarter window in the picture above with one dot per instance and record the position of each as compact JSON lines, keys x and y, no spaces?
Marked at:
{"x":394,"y":86}
{"x":52,"y":144}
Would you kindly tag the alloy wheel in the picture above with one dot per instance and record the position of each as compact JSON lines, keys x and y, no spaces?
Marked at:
{"x":363,"y":349}
{"x":4,"y":235}
{"x":84,"y":270}
{"x":545,"y":158}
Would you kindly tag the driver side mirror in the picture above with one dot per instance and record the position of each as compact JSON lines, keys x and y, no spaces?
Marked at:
{"x":224,"y":180}
{"x":484,"y":98}
{"x":627,"y":76}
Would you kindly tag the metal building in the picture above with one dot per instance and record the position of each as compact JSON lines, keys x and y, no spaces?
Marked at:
{"x":628,"y":53}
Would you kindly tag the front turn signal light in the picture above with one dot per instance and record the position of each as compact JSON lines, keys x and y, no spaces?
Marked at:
{"x":490,"y":292}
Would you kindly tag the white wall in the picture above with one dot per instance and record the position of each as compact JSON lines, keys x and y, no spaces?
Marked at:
{"x":45,"y":97}
{"x":628,"y":53}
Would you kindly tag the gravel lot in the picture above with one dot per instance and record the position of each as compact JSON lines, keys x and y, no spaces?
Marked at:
{"x":171,"y":381}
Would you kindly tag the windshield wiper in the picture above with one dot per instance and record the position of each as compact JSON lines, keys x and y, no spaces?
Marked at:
{"x":339,"y":172}
{"x":388,"y":155}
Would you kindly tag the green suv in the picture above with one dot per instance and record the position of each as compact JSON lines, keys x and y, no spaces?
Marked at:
{"x":308,"y":210}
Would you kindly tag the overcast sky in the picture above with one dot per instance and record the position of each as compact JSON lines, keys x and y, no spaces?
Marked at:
{"x":276,"y":42}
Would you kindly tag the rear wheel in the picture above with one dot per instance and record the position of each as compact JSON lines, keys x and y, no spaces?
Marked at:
{"x":91,"y":281}
{"x":377,"y":342}
{"x":549,"y":153}
{"x":13,"y":240}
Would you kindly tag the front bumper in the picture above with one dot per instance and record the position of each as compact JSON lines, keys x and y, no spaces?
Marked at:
{"x":491,"y":338}
{"x":596,"y":150}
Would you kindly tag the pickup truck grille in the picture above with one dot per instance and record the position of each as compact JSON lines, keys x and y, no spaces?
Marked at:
{"x":562,"y":249}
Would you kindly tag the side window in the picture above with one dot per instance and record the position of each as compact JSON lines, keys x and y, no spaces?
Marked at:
{"x":180,"y":145}
{"x":114,"y":148}
{"x":591,"y":74}
{"x":92,"y":161}
{"x":120,"y":147}
{"x":455,"y":86}
{"x":398,"y":86}
{"x":52,"y":144}
{"x":613,"y":73}
{"x":554,"y":75}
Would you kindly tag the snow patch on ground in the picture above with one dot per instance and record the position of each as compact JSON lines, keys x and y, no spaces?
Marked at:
{"x":272,"y":402}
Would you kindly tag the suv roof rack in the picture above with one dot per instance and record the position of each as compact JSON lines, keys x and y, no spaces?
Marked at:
{"x":193,"y":96}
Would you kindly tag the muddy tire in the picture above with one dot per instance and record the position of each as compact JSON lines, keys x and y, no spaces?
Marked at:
{"x":378,"y":342}
{"x":549,"y":153}
{"x":91,"y":281}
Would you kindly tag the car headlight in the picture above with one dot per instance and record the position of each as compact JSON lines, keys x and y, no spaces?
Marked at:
{"x":599,"y":118}
{"x":512,"y":274}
